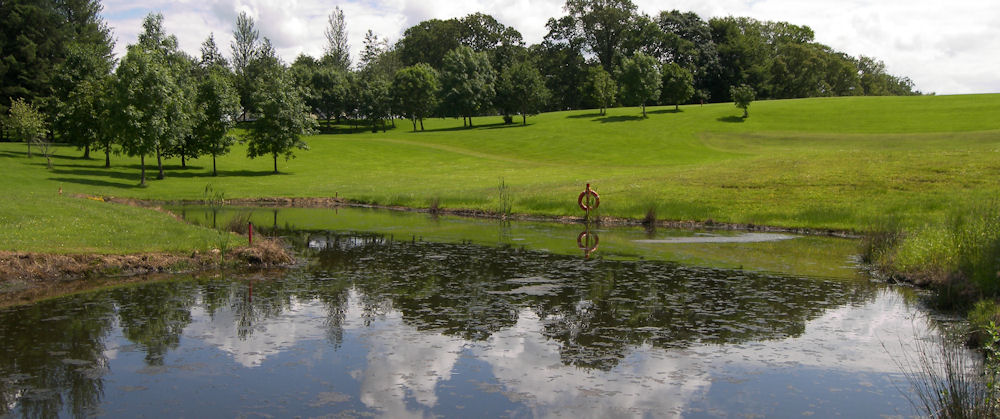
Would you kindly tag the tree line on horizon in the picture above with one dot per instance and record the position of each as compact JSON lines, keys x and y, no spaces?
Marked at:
{"x":158,"y":101}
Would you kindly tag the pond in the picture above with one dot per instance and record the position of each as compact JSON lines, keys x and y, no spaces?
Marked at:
{"x":407,"y":315}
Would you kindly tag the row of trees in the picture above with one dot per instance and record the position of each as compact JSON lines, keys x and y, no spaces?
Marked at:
{"x":602,"y":53}
{"x":160,"y":101}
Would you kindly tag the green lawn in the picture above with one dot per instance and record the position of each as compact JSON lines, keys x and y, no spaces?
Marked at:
{"x":840,"y":163}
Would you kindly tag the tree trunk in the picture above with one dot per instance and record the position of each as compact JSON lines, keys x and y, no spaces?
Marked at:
{"x":414,"y":124}
{"x":677,"y":106}
{"x":421,"y":124}
{"x":524,"y":119}
{"x":86,"y":152}
{"x":275,"y":162}
{"x":746,"y":113}
{"x":183,"y":164}
{"x":643,"y":110}
{"x":159,"y":164}
{"x":470,"y":121}
{"x":107,"y":158}
{"x":214,"y":173}
{"x":142,"y":172}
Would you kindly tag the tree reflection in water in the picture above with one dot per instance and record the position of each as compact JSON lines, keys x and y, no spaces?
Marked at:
{"x":595,"y":309}
{"x":52,"y":355}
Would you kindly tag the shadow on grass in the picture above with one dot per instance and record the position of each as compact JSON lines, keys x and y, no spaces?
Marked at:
{"x":585,"y":115}
{"x":337,"y":130}
{"x":504,"y":126}
{"x":732,"y":119}
{"x":92,"y":171}
{"x":622,"y":118}
{"x":246,"y":173}
{"x":132,"y":172}
{"x":96,"y":182}
{"x":494,"y":125}
{"x":662,"y":111}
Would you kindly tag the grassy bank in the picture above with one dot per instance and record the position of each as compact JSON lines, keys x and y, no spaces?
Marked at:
{"x":839,"y":163}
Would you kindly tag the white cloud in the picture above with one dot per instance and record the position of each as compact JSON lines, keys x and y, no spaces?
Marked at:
{"x":301,"y":321}
{"x":943,"y":47}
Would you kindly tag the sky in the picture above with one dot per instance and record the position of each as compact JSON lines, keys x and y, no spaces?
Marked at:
{"x":944,"y":47}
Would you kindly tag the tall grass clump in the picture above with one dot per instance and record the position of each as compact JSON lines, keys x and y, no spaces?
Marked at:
{"x":506,"y":201}
{"x":239,"y":224}
{"x":948,"y":382}
{"x":962,"y":252}
{"x":883,"y":237}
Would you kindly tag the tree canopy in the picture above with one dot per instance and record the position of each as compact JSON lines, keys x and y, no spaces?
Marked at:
{"x":641,"y":80}
{"x":281,"y":115}
{"x":415,"y":89}
{"x":467,"y":82}
{"x":742,"y":96}
{"x":678,"y":84}
{"x":521,"y":90}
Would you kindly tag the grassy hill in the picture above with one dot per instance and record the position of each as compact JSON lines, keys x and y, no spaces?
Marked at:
{"x":840,"y":163}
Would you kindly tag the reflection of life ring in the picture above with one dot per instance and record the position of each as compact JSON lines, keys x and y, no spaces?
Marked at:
{"x":587,"y":235}
{"x":585,"y":207}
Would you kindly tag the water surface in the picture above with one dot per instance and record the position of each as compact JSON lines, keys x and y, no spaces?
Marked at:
{"x":376,"y":324}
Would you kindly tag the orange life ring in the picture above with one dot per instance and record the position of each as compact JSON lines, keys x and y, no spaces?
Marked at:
{"x":597,"y":200}
{"x":588,"y":235}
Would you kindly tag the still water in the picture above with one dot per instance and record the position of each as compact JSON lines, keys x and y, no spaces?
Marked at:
{"x":375,"y":325}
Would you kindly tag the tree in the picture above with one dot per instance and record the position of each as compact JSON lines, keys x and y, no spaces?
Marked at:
{"x":246,"y":49}
{"x":217,"y":105}
{"x":187,"y":74}
{"x":678,"y":84}
{"x":415,"y":90}
{"x":210,"y":55}
{"x":282,"y":116}
{"x":338,"y":51}
{"x":76,"y":121}
{"x":176,"y":82}
{"x":600,"y":88}
{"x":152,"y":109}
{"x":521,"y":89}
{"x":34,"y":40}
{"x":373,"y":47}
{"x":742,"y":96}
{"x":27,"y":123}
{"x":483,"y":33}
{"x":603,"y":25}
{"x":103,"y":96}
{"x":640,"y":80}
{"x":692,"y":47}
{"x":565,"y":71}
{"x":376,"y":99}
{"x":467,"y":82}
{"x":429,"y":41}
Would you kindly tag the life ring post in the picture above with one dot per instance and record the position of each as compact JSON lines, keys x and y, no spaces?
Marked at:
{"x":584,"y":200}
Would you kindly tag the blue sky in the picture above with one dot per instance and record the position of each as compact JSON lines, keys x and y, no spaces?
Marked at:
{"x":945,"y":47}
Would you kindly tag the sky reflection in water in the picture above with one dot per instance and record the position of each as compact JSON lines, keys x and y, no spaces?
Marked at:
{"x":416,"y":329}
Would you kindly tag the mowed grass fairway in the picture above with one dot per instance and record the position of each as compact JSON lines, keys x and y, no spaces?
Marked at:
{"x":837,"y":163}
